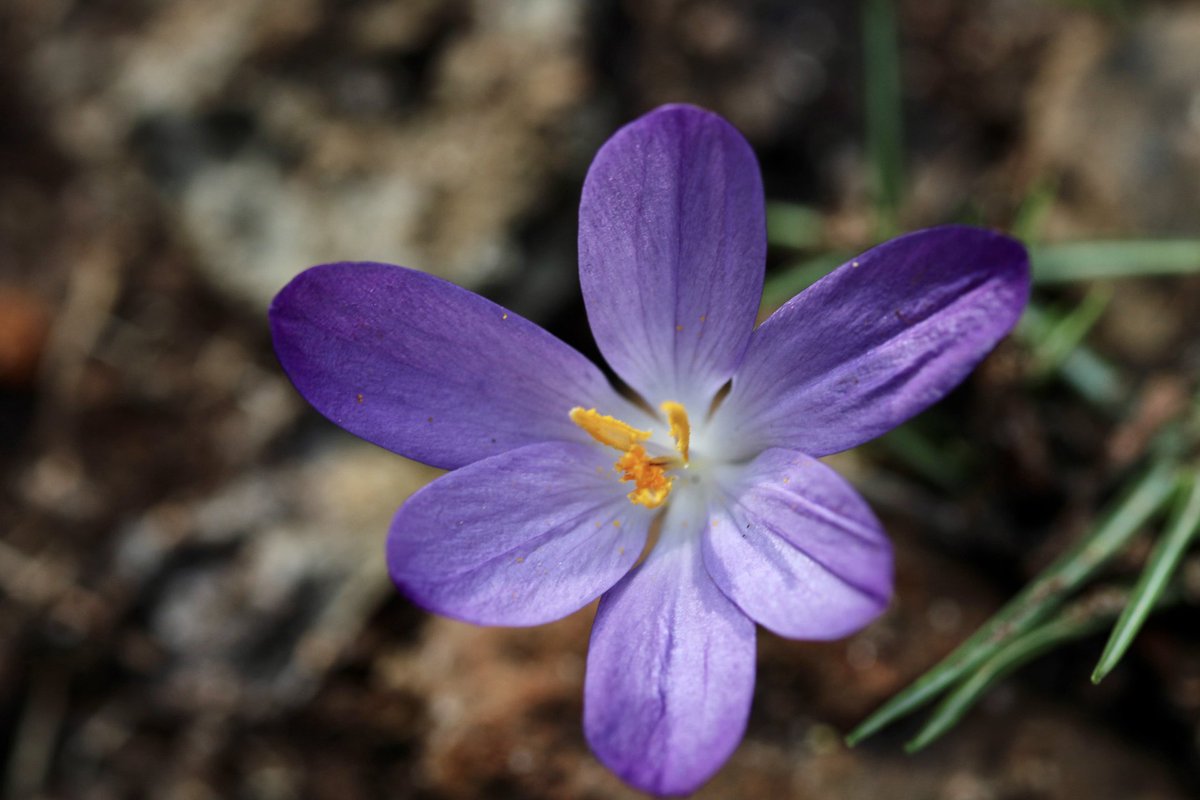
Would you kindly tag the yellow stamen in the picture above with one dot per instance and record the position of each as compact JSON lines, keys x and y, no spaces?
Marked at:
{"x":652,"y":485}
{"x":681,"y":429}
{"x":608,"y":430}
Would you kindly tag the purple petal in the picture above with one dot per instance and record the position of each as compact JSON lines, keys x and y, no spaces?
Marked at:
{"x":875,"y":342}
{"x":428,"y":369}
{"x":670,"y":670}
{"x":672,"y":246}
{"x":797,"y":549}
{"x":521,"y":538}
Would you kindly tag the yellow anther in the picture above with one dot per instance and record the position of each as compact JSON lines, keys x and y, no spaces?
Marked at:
{"x":681,"y":429}
{"x":608,"y":430}
{"x":652,"y":486}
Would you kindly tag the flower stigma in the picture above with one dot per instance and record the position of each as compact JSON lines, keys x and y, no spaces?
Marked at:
{"x":648,"y":474}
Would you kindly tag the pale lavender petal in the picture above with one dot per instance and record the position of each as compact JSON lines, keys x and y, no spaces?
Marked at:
{"x":875,"y":342}
{"x":670,"y":670}
{"x":797,"y":548}
{"x":672,"y":246}
{"x":428,"y":369}
{"x":521,"y":538}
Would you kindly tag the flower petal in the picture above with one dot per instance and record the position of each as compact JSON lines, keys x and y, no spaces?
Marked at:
{"x":670,"y":670}
{"x":521,"y":538}
{"x":672,"y":247}
{"x":875,"y":342}
{"x":797,"y":548}
{"x":428,"y":369}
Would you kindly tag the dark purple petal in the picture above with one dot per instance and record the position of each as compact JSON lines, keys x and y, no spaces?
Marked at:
{"x":670,"y":670}
{"x":797,"y":549}
{"x":672,"y":242}
{"x":521,"y":538}
{"x":875,"y":342}
{"x":428,"y":369}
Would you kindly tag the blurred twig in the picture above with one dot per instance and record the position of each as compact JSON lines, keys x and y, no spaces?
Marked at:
{"x":41,"y":720}
{"x":884,"y":112}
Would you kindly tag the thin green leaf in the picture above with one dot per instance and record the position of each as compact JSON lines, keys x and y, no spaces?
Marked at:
{"x":1076,"y":622}
{"x":884,"y":114}
{"x":1080,"y":261}
{"x":1037,"y":600}
{"x":934,"y":463}
{"x":795,"y":226}
{"x":1158,"y":571}
{"x":1031,"y":216}
{"x":1082,"y":369}
{"x":1094,"y":378}
{"x":1064,"y":336}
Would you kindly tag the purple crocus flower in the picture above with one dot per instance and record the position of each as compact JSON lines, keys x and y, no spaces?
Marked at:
{"x":556,"y":478}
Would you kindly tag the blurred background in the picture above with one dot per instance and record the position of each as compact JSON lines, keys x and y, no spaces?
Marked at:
{"x":193,"y":602}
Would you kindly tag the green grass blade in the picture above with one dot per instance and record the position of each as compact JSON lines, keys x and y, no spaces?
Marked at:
{"x":1097,"y":381}
{"x":1037,"y":600}
{"x":1064,"y":336}
{"x":1035,"y":208}
{"x":795,"y":226}
{"x":933,"y":463}
{"x":1080,"y":261}
{"x":884,"y":111}
{"x":1075,"y":623}
{"x":1158,"y":571}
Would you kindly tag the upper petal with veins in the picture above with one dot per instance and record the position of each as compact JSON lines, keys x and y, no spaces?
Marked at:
{"x":672,"y":249}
